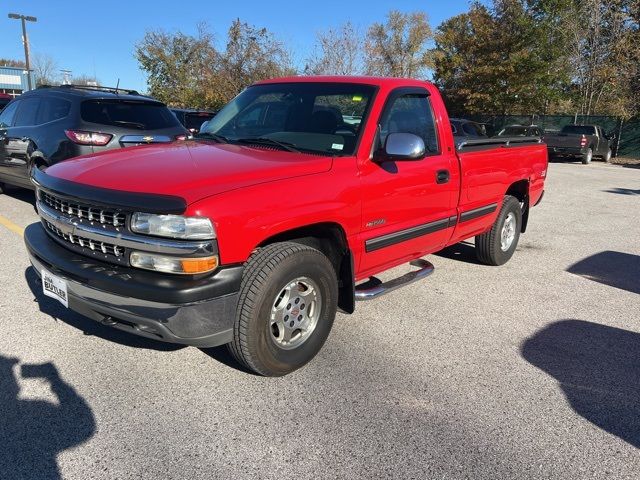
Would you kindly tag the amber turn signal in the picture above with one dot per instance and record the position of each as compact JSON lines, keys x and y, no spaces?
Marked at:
{"x":167,"y":264}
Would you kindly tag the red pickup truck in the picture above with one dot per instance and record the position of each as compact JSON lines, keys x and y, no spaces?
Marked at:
{"x":256,"y":231}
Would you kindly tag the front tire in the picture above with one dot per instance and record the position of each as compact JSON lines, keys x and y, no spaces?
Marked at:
{"x":587,"y":157}
{"x":607,"y":156}
{"x":496,"y":246}
{"x":287,"y":305}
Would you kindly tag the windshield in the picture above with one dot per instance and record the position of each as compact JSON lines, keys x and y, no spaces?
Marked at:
{"x":313,"y":117}
{"x":578,"y":130}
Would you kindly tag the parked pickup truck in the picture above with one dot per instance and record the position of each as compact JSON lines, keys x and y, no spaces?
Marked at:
{"x":579,"y":141}
{"x":258,"y":229}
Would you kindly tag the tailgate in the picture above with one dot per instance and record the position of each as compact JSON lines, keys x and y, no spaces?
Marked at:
{"x":563,"y":141}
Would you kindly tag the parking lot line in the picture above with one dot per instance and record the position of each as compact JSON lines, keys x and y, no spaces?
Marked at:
{"x":11,"y":226}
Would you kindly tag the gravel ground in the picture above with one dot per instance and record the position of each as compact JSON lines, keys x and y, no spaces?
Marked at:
{"x":529,"y":370}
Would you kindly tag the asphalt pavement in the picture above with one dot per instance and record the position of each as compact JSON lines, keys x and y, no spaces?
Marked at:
{"x":529,"y":370}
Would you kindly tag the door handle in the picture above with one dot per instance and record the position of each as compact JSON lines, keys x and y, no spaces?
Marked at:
{"x":442,"y":176}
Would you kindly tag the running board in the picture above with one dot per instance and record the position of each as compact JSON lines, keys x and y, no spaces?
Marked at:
{"x":374,"y":287}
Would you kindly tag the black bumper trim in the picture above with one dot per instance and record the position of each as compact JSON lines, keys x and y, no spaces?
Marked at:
{"x":127,"y":281}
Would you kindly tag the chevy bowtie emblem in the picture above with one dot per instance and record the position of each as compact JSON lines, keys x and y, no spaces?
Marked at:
{"x":147,"y":139}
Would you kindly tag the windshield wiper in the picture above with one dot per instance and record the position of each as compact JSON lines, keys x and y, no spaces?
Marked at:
{"x":268,"y":141}
{"x":214,"y":136}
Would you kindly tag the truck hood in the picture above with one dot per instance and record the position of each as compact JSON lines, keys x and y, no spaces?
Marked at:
{"x":191,"y":170}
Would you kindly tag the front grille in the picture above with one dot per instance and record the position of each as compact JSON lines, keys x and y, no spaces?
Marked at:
{"x":82,"y":242}
{"x":83,"y":211}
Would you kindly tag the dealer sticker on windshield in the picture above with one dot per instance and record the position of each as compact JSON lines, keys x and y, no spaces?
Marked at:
{"x":337,"y":146}
{"x":54,"y":287}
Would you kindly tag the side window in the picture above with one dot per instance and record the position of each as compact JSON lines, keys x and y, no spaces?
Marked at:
{"x":454,"y":129}
{"x":27,"y":112}
{"x":7,"y":115}
{"x":411,"y":113}
{"x":471,"y":129}
{"x":52,"y":109}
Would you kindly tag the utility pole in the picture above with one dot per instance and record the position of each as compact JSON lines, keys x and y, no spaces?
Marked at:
{"x":25,"y":41}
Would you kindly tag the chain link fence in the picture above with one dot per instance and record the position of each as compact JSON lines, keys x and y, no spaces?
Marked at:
{"x":626,"y":133}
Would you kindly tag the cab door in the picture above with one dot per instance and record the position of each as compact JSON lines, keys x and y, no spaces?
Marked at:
{"x":18,"y":139}
{"x":408,"y":206}
{"x":6,"y":123}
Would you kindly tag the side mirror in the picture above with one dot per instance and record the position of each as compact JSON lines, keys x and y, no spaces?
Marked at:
{"x":404,"y":146}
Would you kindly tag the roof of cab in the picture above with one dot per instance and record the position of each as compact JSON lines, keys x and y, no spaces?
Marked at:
{"x":375,"y":81}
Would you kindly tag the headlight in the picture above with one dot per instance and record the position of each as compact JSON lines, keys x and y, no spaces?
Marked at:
{"x":174,"y":226}
{"x":166,"y":264}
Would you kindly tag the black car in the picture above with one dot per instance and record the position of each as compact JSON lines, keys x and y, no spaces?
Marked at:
{"x":51,"y":124}
{"x":464,"y":130}
{"x":520,"y":131}
{"x":193,"y":119}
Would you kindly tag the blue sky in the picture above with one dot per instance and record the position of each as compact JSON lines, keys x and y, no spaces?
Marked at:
{"x":98,"y":37}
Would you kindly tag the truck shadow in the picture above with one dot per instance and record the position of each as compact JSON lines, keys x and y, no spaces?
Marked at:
{"x":88,"y":326}
{"x":34,"y":432}
{"x":221,"y":354}
{"x":616,"y":269}
{"x":598,"y":370}
{"x":463,"y":252}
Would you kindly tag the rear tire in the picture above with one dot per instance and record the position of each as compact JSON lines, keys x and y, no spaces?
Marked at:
{"x":496,"y":246}
{"x":587,"y":157}
{"x":287,"y":305}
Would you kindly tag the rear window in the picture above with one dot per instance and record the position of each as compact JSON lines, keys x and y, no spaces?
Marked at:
{"x":578,"y":130}
{"x":195,"y":120}
{"x":514,"y":132}
{"x":137,"y":115}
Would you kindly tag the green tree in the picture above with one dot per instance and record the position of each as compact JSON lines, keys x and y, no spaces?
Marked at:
{"x":187,"y":70}
{"x":546,"y":56}
{"x":399,"y":47}
{"x":178,"y":66}
{"x":251,"y":54}
{"x":604,"y":48}
{"x":498,"y":60}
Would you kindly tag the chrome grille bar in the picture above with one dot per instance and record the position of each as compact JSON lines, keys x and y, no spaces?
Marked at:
{"x":93,"y":214}
{"x":76,"y":228}
{"x":106,"y":248}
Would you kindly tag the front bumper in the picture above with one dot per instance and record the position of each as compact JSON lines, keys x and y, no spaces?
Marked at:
{"x":189,"y":311}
